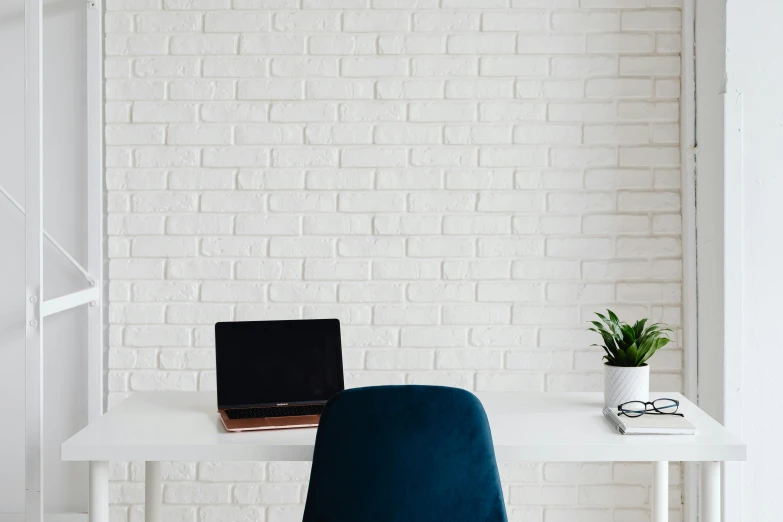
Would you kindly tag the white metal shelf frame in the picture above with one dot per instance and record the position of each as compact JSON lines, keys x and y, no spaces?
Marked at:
{"x":73,"y":299}
{"x":35,"y":307}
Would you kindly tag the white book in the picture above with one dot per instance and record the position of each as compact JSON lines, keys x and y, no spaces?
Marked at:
{"x":649,"y":424}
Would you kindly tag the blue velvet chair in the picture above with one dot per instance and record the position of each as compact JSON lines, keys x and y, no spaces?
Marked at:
{"x":404,"y":454}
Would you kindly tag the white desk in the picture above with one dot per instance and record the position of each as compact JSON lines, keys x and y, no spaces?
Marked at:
{"x":526,"y":427}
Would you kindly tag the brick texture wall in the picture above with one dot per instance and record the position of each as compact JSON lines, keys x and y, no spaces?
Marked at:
{"x":461,"y":182}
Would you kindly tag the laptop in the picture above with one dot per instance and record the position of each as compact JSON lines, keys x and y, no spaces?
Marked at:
{"x":276,"y":374}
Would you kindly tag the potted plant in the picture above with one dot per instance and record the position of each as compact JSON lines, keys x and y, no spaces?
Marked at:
{"x":628,"y":348}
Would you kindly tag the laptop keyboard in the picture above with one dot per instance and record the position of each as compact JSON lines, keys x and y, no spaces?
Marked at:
{"x":277,"y":411}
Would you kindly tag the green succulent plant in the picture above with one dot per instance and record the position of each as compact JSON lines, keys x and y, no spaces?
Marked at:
{"x":627,"y":345}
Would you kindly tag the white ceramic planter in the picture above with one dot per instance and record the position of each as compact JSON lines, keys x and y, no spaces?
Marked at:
{"x":623,"y":384}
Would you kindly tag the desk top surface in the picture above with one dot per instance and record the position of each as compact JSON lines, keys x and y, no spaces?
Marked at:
{"x":526,"y":427}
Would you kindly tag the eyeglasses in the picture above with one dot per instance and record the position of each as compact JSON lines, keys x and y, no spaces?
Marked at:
{"x":659,"y":407}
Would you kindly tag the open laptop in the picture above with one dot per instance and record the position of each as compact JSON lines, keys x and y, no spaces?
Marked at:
{"x":276,"y":374}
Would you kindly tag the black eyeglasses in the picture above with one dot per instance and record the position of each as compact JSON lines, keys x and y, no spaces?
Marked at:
{"x":659,"y":407}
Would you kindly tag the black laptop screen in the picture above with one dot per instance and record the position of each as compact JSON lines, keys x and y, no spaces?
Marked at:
{"x":273,"y":362}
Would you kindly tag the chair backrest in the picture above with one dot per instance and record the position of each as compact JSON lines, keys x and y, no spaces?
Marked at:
{"x":404,"y":454}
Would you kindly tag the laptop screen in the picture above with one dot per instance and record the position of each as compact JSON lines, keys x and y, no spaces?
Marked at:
{"x":273,"y":362}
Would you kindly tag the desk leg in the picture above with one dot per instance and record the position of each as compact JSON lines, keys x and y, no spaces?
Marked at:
{"x":99,"y":491}
{"x":153,"y":492}
{"x":660,"y":492}
{"x":710,"y":492}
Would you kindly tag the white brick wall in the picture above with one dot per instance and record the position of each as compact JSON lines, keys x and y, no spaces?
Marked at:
{"x":461,"y":182}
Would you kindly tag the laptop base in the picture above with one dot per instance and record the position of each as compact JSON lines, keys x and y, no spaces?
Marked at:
{"x":268,"y":423}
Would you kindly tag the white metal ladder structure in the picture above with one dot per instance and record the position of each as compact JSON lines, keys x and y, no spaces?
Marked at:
{"x":36,"y":308}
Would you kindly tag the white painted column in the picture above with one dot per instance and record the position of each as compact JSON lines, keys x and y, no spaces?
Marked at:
{"x":95,"y":208}
{"x":710,"y":492}
{"x":99,"y":491}
{"x":660,"y":492}
{"x":33,"y":111}
{"x":153,"y":492}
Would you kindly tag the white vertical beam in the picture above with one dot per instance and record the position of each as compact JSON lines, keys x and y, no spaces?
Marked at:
{"x":33,"y":262}
{"x":711,"y":81}
{"x":660,"y":492}
{"x":99,"y":481}
{"x":689,"y":252}
{"x":95,"y":314}
{"x":153,"y":492}
{"x":99,"y":492}
{"x":733,"y":248}
{"x":688,"y":181}
{"x":710,"y":492}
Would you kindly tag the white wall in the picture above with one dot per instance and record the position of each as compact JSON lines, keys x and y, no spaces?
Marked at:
{"x":64,"y":179}
{"x":754,"y":70}
{"x":461,"y":182}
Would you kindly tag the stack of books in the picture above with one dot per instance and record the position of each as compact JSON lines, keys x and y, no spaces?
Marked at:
{"x":650,"y":424}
